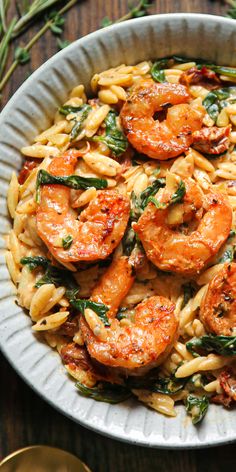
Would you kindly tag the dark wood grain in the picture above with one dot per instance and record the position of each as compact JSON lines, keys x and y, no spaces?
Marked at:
{"x":25,"y":419}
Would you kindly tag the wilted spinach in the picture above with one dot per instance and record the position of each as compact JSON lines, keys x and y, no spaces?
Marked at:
{"x":157,"y":70}
{"x":72,"y":181}
{"x":151,"y":190}
{"x":53,"y":275}
{"x":82,"y":112}
{"x":129,"y":240}
{"x":68,"y":109}
{"x":175,"y":198}
{"x":189,"y":291}
{"x":156,"y":384}
{"x":99,"y":308}
{"x":228,"y":255}
{"x":197,"y":407}
{"x":114,"y":138}
{"x":214,"y":102}
{"x":105,"y":392}
{"x":223,"y":345}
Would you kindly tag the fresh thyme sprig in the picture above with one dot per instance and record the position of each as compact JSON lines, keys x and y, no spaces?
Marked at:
{"x":231,"y":13}
{"x":3,"y":11}
{"x":29,"y":12}
{"x":22,"y":55}
{"x":135,"y":11}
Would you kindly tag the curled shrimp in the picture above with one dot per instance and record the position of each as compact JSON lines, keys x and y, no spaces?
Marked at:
{"x":160,"y":139}
{"x":187,"y":247}
{"x":218,"y":308}
{"x":98,"y":230}
{"x":133,"y":345}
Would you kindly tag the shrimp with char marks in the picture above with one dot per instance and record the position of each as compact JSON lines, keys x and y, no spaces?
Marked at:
{"x":98,"y":230}
{"x":160,"y":139}
{"x":145,"y":340}
{"x":188,"y":247}
{"x":218,"y":308}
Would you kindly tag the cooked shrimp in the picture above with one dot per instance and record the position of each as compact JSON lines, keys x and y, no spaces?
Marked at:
{"x":100,"y":226}
{"x":160,"y":139}
{"x":186,"y":248}
{"x":132,"y":345}
{"x":218,"y":308}
{"x":212,"y":140}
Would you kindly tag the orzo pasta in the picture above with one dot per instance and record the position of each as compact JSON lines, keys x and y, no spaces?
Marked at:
{"x":123,"y":242}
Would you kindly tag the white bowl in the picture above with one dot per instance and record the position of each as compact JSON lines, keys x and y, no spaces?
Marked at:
{"x":28,"y":113}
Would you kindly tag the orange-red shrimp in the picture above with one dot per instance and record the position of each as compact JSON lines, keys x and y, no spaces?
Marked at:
{"x":133,"y":345}
{"x":99,"y":228}
{"x":160,"y":139}
{"x":218,"y":308}
{"x":187,"y":247}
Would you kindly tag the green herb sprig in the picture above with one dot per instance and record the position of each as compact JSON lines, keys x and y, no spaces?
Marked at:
{"x":17,"y":26}
{"x":231,"y":13}
{"x":135,"y":11}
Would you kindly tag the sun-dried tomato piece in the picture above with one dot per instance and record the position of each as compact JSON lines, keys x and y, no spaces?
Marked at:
{"x":77,"y":355}
{"x":212,"y":140}
{"x":228,"y":383}
{"x":205,"y":77}
{"x":28,"y":166}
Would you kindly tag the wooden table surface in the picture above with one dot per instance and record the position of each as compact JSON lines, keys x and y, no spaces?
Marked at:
{"x":25,"y":419}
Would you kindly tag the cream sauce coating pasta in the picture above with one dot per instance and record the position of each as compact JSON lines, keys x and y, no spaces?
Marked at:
{"x":124,"y":220}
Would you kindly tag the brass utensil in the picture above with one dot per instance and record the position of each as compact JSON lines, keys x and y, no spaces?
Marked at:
{"x":42,"y":459}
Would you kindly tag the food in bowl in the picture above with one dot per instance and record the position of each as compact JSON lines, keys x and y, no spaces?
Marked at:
{"x":123,"y":240}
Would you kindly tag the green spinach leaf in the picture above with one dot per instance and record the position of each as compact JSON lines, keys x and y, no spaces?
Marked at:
{"x":175,"y":198}
{"x":73,"y":181}
{"x":228,"y":255}
{"x":129,"y":240}
{"x":53,"y":275}
{"x":151,"y":190}
{"x":222,"y":70}
{"x":179,"y":194}
{"x":105,"y":392}
{"x":157,"y":384}
{"x":214,"y":102}
{"x":99,"y":308}
{"x":35,"y":261}
{"x":189,"y":291}
{"x":81,"y":117}
{"x":223,"y":345}
{"x":68,"y":109}
{"x":114,"y":138}
{"x":157,"y":70}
